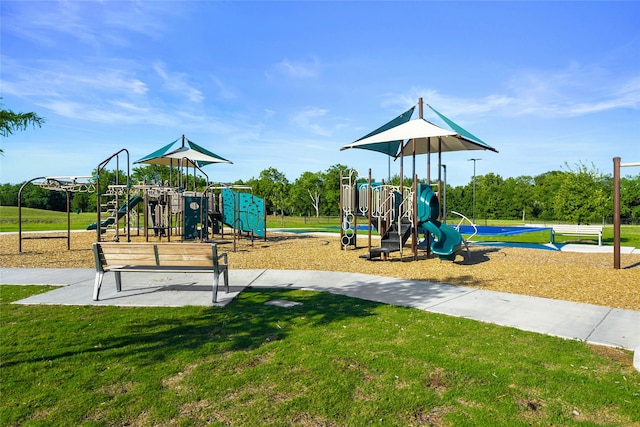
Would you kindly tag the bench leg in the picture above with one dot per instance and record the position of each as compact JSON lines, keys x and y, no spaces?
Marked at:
{"x":216,"y":282}
{"x":216,"y":279}
{"x":118,"y":281}
{"x":97,"y":285}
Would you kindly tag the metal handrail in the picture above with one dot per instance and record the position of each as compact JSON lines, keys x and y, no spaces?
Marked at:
{"x":462,"y":219}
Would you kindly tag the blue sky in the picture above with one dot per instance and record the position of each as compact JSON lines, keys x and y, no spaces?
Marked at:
{"x":286,"y":84}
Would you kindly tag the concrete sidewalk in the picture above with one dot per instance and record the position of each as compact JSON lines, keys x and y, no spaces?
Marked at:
{"x":590,"y":323}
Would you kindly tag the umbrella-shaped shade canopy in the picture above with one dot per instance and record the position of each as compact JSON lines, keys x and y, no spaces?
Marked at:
{"x":389,"y":148}
{"x":459,"y":140}
{"x":191,"y":153}
{"x":429,"y":141}
{"x":427,"y":136}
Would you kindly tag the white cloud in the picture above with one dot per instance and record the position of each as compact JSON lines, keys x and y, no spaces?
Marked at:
{"x":91,"y":23}
{"x":110,"y":113}
{"x":575,"y":91}
{"x":309,"y":119}
{"x":225,"y":91}
{"x":564,"y":93}
{"x":318,"y":121}
{"x":177,"y":83}
{"x":297,"y":69}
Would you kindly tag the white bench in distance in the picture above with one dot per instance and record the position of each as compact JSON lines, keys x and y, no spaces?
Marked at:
{"x":120,"y":257}
{"x":576,"y":230}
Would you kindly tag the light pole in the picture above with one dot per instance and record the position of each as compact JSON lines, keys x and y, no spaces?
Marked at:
{"x":473,"y":209}
{"x":444,"y":195}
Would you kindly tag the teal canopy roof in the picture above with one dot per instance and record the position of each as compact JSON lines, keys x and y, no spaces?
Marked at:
{"x":458,"y":128}
{"x":390,"y":148}
{"x":421,"y":135}
{"x":191,"y":153}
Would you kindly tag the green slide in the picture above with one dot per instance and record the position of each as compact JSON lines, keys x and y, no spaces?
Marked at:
{"x":121,"y":212}
{"x":447,"y":241}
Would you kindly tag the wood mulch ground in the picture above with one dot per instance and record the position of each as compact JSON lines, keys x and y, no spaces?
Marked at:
{"x":579,"y":277}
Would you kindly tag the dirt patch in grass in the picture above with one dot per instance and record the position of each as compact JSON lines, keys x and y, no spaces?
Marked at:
{"x":579,"y":277}
{"x":615,"y":355}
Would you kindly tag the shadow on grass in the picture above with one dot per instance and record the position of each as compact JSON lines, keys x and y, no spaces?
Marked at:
{"x":147,"y":335}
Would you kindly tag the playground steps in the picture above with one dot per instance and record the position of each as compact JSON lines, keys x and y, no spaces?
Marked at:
{"x":392,"y":241}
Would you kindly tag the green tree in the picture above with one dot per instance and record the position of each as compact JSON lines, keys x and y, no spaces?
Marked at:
{"x":489,"y":198}
{"x":546,"y":186}
{"x":151,"y":174}
{"x":331,"y":204}
{"x":581,"y":198}
{"x":630,"y":197}
{"x":83,"y":202}
{"x":307,"y":192}
{"x":407,"y":182}
{"x":517,"y":197}
{"x":273,"y":186}
{"x":34,"y":196}
{"x":11,"y":122}
{"x":109,"y":177}
{"x":9,"y":194}
{"x":459,"y":199}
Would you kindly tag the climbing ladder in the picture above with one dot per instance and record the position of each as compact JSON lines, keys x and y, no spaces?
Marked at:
{"x":391,"y":214}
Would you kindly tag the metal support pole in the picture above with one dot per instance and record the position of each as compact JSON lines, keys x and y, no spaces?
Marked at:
{"x":342,"y":247}
{"x":473,"y":208}
{"x":616,"y":213}
{"x":444,"y":195}
{"x":370,"y":208}
{"x":68,"y":220}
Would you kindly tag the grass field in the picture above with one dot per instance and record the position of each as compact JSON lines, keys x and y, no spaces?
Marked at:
{"x":42,"y":220}
{"x":331,"y":360}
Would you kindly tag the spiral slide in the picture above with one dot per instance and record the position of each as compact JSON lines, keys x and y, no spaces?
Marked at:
{"x":447,"y":241}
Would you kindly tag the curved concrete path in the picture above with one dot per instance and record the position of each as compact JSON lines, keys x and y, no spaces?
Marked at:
{"x":590,"y":323}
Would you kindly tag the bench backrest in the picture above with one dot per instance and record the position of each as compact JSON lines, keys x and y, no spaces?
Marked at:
{"x":155,"y":254}
{"x":572,"y":228}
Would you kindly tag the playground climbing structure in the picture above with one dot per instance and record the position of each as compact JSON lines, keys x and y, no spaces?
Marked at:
{"x":169,"y":209}
{"x":399,"y":214}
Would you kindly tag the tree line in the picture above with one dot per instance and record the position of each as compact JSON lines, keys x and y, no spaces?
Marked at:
{"x":577,"y":195}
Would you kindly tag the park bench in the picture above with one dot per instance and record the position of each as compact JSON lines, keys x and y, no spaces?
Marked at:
{"x":576,"y":230}
{"x":166,"y":258}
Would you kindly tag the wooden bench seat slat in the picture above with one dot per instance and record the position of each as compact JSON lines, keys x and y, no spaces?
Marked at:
{"x":130,"y":259}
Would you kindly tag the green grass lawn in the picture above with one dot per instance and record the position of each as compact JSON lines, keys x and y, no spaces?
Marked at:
{"x":42,"y":220}
{"x":331,"y":360}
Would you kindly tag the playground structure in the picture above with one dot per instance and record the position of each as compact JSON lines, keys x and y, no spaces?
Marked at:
{"x":398,"y":214}
{"x":67,"y":184}
{"x":168,"y":209}
{"x":173,"y":210}
{"x":403,"y":212}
